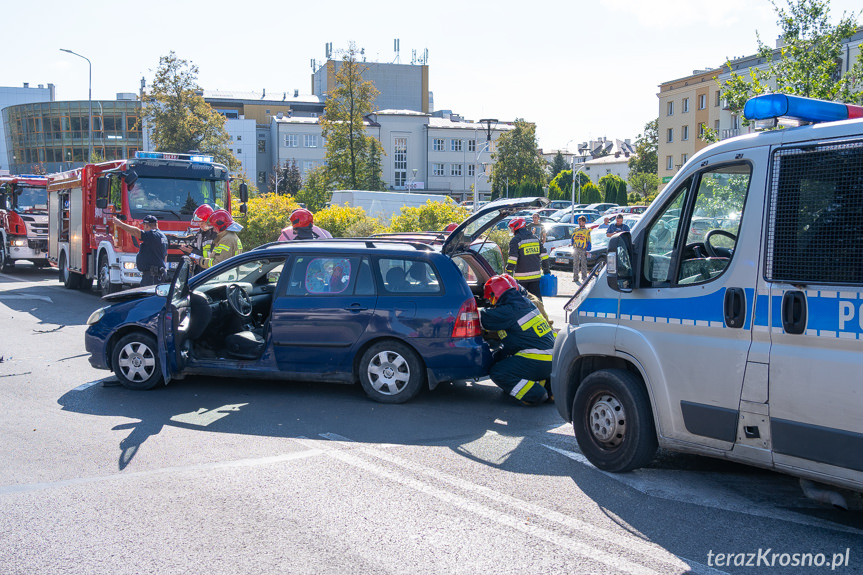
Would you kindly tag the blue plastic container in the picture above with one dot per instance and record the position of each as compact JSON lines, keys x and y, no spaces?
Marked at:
{"x":548,"y":285}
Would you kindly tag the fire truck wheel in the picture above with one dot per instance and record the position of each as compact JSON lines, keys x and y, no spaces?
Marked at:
{"x":135,"y":359}
{"x":105,"y":284}
{"x":4,"y":261}
{"x":70,"y":279}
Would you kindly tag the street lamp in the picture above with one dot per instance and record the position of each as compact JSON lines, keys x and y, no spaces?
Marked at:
{"x":487,"y":122}
{"x":89,"y":104}
{"x":574,"y":174}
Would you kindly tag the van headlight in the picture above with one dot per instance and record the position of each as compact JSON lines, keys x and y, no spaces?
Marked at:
{"x":96,"y":316}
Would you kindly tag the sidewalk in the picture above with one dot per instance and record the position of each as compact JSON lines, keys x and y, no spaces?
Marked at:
{"x":554,"y":305}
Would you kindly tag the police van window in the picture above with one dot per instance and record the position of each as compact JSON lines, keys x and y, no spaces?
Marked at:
{"x":712,"y":228}
{"x":661,"y":238}
{"x":816,"y":206}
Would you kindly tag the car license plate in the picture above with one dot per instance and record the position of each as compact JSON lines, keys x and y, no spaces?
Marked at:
{"x":561,"y":260}
{"x":172,"y":265}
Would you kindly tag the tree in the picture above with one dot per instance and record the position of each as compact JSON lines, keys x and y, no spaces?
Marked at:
{"x":558,"y":164}
{"x":517,"y":159}
{"x":294,"y":179}
{"x":644,"y":183}
{"x":315,"y":192}
{"x":353,"y":157}
{"x":646,"y":145}
{"x":590,"y":193}
{"x":809,"y":63}
{"x":266,"y":217}
{"x":610,"y":184}
{"x":179,"y":119}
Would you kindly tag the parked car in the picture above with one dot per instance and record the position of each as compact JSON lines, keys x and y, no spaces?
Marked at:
{"x":625,"y":210}
{"x":558,"y":235}
{"x":601,"y":207}
{"x":394,"y":315}
{"x":560,"y":204}
{"x":568,"y":217}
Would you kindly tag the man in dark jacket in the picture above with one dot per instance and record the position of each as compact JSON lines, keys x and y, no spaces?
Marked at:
{"x":152,"y":256}
{"x":527,"y":259}
{"x":523,"y":364}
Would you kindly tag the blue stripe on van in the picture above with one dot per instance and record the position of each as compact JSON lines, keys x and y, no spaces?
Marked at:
{"x":830,"y":313}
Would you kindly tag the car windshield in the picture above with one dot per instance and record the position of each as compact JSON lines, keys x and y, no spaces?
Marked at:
{"x":174,"y":197}
{"x":248,"y":272}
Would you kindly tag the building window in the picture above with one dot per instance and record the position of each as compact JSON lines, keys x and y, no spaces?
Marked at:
{"x":292,"y":141}
{"x":718,"y":99}
{"x":684,"y":134}
{"x":455,"y":170}
{"x":262,"y":177}
{"x":685,"y":105}
{"x":683,"y":158}
{"x":471,"y":145}
{"x":308,"y":166}
{"x":669,"y":163}
{"x":471,"y":169}
{"x":702,"y":101}
{"x":400,"y":161}
{"x":670,"y":135}
{"x":455,"y":145}
{"x":438,"y":145}
{"x":670,"y":109}
{"x":701,"y":130}
{"x":437,"y":170}
{"x":239,"y":138}
{"x":239,"y":150}
{"x":716,"y":125}
{"x":262,"y":146}
{"x":310,"y":141}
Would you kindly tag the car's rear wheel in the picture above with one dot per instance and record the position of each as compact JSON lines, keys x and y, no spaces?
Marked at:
{"x":391,"y":372}
{"x":135,"y":359}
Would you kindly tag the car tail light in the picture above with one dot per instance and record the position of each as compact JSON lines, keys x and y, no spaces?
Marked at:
{"x":467,"y":322}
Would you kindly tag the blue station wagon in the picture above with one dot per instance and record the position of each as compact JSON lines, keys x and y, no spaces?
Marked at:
{"x":397,"y":316}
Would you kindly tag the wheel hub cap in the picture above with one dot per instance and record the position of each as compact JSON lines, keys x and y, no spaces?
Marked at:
{"x":608,"y":420}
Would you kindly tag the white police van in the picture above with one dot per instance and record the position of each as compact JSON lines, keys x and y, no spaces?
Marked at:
{"x":729,"y":322}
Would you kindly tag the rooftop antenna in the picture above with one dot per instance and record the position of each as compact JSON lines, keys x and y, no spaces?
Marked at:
{"x":363,"y":53}
{"x":396,"y":49}
{"x":313,"y":64}
{"x":329,"y":50}
{"x":413,"y":56}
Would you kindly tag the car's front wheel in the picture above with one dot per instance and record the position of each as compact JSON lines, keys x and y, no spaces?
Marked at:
{"x":391,"y":372}
{"x":135,"y":359}
{"x":613,"y":421}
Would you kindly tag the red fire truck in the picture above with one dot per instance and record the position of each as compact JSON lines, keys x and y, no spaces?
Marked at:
{"x":23,"y":220}
{"x":85,"y":245}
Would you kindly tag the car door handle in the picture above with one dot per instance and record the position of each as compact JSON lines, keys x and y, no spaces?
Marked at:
{"x":794,"y":312}
{"x":356,"y":307}
{"x":735,"y":307}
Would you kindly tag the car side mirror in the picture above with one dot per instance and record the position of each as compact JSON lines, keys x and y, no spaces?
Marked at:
{"x":620,"y":273}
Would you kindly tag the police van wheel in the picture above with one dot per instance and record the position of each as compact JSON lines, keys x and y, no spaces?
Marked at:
{"x":135,"y":359}
{"x":613,"y":421}
{"x":391,"y":372}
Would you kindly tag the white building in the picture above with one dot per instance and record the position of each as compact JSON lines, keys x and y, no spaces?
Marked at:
{"x":14,"y":96}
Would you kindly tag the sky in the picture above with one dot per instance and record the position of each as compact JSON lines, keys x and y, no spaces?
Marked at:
{"x":578,"y":70}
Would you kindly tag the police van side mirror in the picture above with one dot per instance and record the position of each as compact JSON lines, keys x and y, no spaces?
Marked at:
{"x":102,"y":186}
{"x":620,"y":273}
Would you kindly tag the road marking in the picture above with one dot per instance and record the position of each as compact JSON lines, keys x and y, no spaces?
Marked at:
{"x":701,"y":488}
{"x":204,"y":417}
{"x":652,"y":551}
{"x":9,"y":489}
{"x":26,"y":296}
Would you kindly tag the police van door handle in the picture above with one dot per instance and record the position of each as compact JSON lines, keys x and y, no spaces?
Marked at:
{"x":735,"y":307}
{"x":794,"y":312}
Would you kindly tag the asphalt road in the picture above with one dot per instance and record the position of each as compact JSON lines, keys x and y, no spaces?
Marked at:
{"x":239,"y":476}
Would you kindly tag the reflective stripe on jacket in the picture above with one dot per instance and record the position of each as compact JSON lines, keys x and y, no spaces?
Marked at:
{"x":527,"y":256}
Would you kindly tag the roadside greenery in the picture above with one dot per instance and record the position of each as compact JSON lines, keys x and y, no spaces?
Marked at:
{"x":643,"y":166}
{"x":518,"y":164}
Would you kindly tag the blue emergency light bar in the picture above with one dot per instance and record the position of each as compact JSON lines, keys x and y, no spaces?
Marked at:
{"x":202,"y":158}
{"x":799,"y":108}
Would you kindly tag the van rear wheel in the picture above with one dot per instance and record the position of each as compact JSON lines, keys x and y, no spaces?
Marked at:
{"x":613,"y":421}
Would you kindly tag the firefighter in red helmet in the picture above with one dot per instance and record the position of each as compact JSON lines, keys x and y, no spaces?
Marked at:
{"x":201,"y":242}
{"x":527,"y":259}
{"x":303,"y":227}
{"x":226,"y":243}
{"x":522,"y":365}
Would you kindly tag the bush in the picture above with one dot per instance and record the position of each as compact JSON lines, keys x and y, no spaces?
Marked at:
{"x":433,"y":216}
{"x":345,"y":221}
{"x":266,"y":216}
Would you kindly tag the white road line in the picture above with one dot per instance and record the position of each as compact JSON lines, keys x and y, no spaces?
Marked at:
{"x":25,"y":296}
{"x":652,"y":551}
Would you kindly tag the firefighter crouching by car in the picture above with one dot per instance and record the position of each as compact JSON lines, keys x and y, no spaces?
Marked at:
{"x":527,"y":259}
{"x":226,"y":244}
{"x":522,"y":365}
{"x":202,"y":240}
